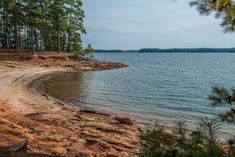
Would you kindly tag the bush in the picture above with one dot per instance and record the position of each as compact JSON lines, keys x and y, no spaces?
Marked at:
{"x":160,"y":142}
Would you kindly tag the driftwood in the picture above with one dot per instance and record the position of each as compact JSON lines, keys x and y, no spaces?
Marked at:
{"x":19,"y":147}
{"x":20,"y":150}
{"x":60,"y":103}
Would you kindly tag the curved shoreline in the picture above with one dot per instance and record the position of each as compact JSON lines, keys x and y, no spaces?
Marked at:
{"x":37,"y":85}
{"x":55,"y":127}
{"x":224,"y":134}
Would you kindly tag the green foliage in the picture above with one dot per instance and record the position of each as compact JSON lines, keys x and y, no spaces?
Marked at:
{"x":51,"y":25}
{"x":221,"y":96}
{"x":78,"y":51}
{"x":224,"y":9}
{"x":200,"y":143}
{"x":88,"y":52}
{"x":180,"y":142}
{"x":210,"y":128}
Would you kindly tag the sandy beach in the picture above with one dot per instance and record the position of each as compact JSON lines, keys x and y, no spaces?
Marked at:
{"x":56,"y":128}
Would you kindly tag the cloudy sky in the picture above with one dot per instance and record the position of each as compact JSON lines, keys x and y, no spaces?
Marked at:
{"x":134,"y":24}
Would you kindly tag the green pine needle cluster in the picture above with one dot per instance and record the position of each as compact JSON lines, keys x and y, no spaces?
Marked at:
{"x":85,"y":54}
{"x":203,"y":142}
{"x":224,"y":9}
{"x":223,"y":97}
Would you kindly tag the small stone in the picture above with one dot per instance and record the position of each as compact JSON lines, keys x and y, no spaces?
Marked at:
{"x":124,"y":120}
{"x":104,"y":145}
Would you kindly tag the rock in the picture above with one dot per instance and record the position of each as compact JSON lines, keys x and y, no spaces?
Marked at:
{"x":111,"y":154}
{"x":92,"y":141}
{"x":34,"y":116}
{"x":66,"y":59}
{"x":95,"y":112}
{"x":86,"y":68}
{"x":111,"y":140}
{"x":104,"y":145}
{"x":118,"y":142}
{"x":35,"y":56}
{"x":82,"y":154}
{"x":124,"y":154}
{"x":168,"y":133}
{"x":124,"y":120}
{"x":74,"y":139}
{"x":69,"y":66}
{"x":110,"y":130}
{"x":59,"y":150}
{"x":42,"y":57}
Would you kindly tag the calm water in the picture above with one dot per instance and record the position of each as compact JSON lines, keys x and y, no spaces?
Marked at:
{"x":162,"y":87}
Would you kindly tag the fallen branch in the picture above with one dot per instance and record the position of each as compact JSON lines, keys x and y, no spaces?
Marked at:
{"x":45,"y":96}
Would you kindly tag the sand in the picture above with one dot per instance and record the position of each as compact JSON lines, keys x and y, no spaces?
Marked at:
{"x":57,"y":128}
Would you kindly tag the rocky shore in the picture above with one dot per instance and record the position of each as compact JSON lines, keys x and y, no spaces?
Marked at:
{"x":64,"y":60}
{"x":32,"y":123}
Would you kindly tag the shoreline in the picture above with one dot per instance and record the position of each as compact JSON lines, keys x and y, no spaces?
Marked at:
{"x":88,"y":130}
{"x":224,"y":134}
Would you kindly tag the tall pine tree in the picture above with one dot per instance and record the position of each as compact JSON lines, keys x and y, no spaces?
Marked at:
{"x":41,"y":25}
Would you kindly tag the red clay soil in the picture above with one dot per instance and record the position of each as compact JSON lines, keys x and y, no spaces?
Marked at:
{"x":59,"y":130}
{"x":68,"y":133}
{"x":64,"y":60}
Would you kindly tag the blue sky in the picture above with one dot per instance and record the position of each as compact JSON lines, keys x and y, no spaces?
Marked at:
{"x":134,"y":24}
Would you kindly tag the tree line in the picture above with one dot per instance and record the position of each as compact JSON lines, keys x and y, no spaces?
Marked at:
{"x":41,"y":25}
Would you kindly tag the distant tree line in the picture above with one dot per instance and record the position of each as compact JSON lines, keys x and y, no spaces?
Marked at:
{"x":189,"y":50}
{"x":172,"y":50}
{"x":41,"y":25}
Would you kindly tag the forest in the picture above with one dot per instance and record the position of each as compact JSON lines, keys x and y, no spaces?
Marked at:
{"x":41,"y":25}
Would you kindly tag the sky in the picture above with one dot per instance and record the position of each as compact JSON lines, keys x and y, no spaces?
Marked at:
{"x":135,"y":24}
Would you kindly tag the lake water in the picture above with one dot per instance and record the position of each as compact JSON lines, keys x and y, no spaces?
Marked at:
{"x":156,"y":86}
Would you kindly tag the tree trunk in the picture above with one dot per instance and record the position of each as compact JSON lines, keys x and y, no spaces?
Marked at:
{"x":45,"y":43}
{"x":58,"y":39}
{"x":20,"y":43}
{"x":29,"y":44}
{"x":16,"y":34}
{"x":35,"y":39}
{"x":69,"y":42}
{"x":32,"y":41}
{"x":5,"y":21}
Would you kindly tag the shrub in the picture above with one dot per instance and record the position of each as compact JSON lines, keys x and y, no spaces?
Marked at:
{"x":160,"y":142}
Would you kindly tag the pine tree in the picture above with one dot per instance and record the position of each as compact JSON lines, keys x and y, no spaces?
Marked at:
{"x":88,"y":52}
{"x":41,"y":25}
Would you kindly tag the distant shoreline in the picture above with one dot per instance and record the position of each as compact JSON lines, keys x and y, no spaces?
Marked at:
{"x":172,"y":50}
